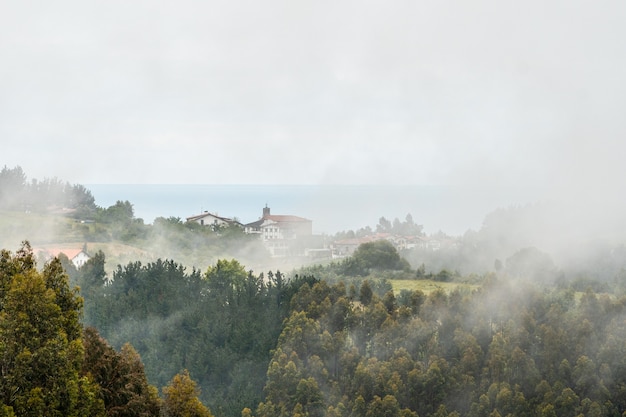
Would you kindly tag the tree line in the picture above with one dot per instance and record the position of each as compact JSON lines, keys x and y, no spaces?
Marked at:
{"x":17,"y":193}
{"x":53,"y":366}
{"x":220,"y":324}
{"x":238,"y":343}
{"x":508,"y":349}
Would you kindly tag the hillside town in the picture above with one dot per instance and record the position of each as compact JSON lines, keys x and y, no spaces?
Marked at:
{"x":287,"y":235}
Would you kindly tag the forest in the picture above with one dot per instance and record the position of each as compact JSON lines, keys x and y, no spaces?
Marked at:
{"x":236,"y":343}
{"x":500,"y":330}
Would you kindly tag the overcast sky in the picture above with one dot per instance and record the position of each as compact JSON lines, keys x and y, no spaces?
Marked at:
{"x":498,"y":93}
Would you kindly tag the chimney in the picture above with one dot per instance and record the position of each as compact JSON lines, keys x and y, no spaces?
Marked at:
{"x":266,"y":211}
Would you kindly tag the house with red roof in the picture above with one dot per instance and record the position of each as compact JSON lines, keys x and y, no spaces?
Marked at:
{"x":77,"y":256}
{"x":280,"y":232}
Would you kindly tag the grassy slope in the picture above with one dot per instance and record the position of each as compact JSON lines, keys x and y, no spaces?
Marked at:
{"x":39,"y":229}
{"x":426,"y":286}
{"x":44,"y":230}
{"x":57,"y":231}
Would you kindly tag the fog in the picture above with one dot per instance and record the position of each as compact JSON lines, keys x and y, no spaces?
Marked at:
{"x":498,"y":126}
{"x":411,"y":93}
{"x":581,"y":234}
{"x":485,"y":106}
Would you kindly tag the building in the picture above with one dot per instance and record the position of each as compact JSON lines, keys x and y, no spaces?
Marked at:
{"x":213,"y":220}
{"x":282,"y":235}
{"x":346,"y":247}
{"x":77,"y":256}
{"x":280,"y":226}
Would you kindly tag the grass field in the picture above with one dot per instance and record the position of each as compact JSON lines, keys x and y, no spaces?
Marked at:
{"x":427,"y":286}
{"x":38,"y":229}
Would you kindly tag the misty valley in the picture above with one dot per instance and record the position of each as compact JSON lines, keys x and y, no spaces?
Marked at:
{"x":102,"y":314}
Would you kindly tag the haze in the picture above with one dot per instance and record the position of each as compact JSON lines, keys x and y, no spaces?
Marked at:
{"x":482,"y":94}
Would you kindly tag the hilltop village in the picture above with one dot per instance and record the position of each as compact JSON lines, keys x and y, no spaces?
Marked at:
{"x":287,"y":235}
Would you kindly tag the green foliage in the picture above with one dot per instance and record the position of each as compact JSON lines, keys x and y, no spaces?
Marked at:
{"x":50,"y":366}
{"x":193,"y":244}
{"x":220,"y":325}
{"x":226,"y":279}
{"x":377,"y":255}
{"x":12,"y":188}
{"x":411,"y":299}
{"x":123,"y":386}
{"x":365,"y":293}
{"x":406,"y":228}
{"x":181,"y":398}
{"x":531,"y":263}
{"x":41,"y":353}
{"x":443,"y":276}
{"x":121,"y":223}
{"x":502,"y":350}
{"x":16,"y":193}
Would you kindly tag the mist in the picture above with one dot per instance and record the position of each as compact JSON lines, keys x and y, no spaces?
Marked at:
{"x":412,"y":93}
{"x":497,"y":126}
{"x":444,"y":111}
{"x":484,"y":224}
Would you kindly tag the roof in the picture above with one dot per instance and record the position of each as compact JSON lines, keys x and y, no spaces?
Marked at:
{"x":71,"y":253}
{"x":277,"y":218}
{"x":355,"y":241}
{"x":207,"y":214}
{"x":256,"y":224}
{"x":285,"y":218}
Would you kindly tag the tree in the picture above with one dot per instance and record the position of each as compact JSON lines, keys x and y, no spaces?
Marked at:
{"x":380,"y":255}
{"x":41,"y":353}
{"x":121,"y":212}
{"x":383,"y":225}
{"x":12,"y":187}
{"x":385,"y":407}
{"x":226,"y":278}
{"x":181,"y":398}
{"x":221,"y":326}
{"x":531,"y":263}
{"x":91,"y":278}
{"x":309,"y":396}
{"x":81,"y":198}
{"x":123,"y":384}
{"x":410,"y":228}
{"x":389,"y":300}
{"x":365,"y":293}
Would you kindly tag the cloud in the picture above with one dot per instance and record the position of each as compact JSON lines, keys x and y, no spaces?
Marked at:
{"x":501,"y":94}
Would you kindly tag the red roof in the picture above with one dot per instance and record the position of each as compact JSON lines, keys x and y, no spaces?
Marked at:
{"x":285,"y":218}
{"x":70,"y":253}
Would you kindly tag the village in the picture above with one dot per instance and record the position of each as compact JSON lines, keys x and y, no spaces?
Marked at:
{"x":286,"y":235}
{"x":283,"y":236}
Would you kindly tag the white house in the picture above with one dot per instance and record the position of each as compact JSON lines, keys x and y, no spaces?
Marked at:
{"x":281,"y":233}
{"x":77,"y":256}
{"x":213,"y":220}
{"x":280,"y":226}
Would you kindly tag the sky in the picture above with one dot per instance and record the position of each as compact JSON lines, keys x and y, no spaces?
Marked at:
{"x":499,"y":94}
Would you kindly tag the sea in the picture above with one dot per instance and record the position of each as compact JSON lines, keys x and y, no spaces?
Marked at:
{"x":331,"y":208}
